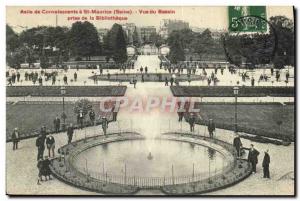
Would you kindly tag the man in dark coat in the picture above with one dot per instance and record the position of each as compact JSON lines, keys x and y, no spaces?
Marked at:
{"x":40,"y":144}
{"x":40,"y":81}
{"x":50,"y":142}
{"x":171,"y":81}
{"x":166,"y":81}
{"x":80,"y":118}
{"x":53,"y":79}
{"x":75,"y":76}
{"x":287,"y":75}
{"x":104,"y":125}
{"x":18,"y":76}
{"x":70,"y":132}
{"x":252,"y":82}
{"x":114,"y":113}
{"x":92,"y":116}
{"x":237,"y":143}
{"x":180,"y":115}
{"x":13,"y":78}
{"x":277,"y":75}
{"x":15,"y":138}
{"x":65,"y":80}
{"x":192,"y":121}
{"x":211,"y":128}
{"x":56,"y":123}
{"x":265,"y":164}
{"x":252,"y":158}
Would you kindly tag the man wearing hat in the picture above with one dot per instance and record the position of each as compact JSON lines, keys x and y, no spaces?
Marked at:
{"x":50,"y":142}
{"x":40,"y":144}
{"x":104,"y":125}
{"x":15,"y":138}
{"x":70,"y":132}
{"x":211,"y":128}
{"x":80,"y":118}
{"x":237,"y":143}
{"x":252,"y":158}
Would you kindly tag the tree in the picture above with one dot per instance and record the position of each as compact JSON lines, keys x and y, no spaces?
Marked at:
{"x":120,"y":52}
{"x":275,"y":47}
{"x":44,"y":61}
{"x":203,"y":42}
{"x":116,"y":43}
{"x":45,"y":42}
{"x":176,"y":48}
{"x":83,"y":105}
{"x":156,"y":39}
{"x":12,"y":40}
{"x":84,"y":40}
{"x":14,"y":59}
{"x":285,"y":51}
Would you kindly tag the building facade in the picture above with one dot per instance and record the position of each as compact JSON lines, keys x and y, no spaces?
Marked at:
{"x":146,"y":32}
{"x":101,"y":33}
{"x":129,"y":28}
{"x":168,"y":25}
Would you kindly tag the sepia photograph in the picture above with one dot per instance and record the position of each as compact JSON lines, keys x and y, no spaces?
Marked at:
{"x":150,"y":101}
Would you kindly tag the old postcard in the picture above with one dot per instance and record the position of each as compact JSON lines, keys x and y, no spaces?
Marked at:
{"x":170,"y":100}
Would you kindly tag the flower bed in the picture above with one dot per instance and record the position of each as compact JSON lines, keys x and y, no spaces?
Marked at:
{"x":227,"y":91}
{"x":71,"y":91}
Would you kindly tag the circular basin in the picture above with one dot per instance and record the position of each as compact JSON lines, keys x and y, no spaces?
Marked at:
{"x":150,"y":158}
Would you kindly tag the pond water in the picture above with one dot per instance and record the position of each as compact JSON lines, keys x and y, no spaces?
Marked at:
{"x":133,"y":156}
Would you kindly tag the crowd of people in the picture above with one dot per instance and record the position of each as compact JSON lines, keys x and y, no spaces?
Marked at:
{"x":36,"y":77}
{"x":188,"y":68}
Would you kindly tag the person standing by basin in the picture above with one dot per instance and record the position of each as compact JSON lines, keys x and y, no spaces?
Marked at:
{"x":265,"y":164}
{"x":192,"y":120}
{"x":92,"y":116}
{"x":104,"y":125}
{"x":40,"y":144}
{"x":50,"y":142}
{"x":15,"y":138}
{"x":252,"y":157}
{"x":56,"y":123}
{"x":237,"y":143}
{"x":115,"y":112}
{"x":70,"y":132}
{"x":211,"y":128}
{"x":80,"y":117}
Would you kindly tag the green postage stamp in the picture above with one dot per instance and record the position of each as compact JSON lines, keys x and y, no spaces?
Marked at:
{"x":247,"y":18}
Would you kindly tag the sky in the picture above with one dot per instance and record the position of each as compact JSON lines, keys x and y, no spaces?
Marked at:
{"x":213,"y":17}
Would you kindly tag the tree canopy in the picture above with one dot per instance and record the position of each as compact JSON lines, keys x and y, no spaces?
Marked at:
{"x":273,"y":47}
{"x":116,"y":44}
{"x":84,"y":40}
{"x":176,"y":47}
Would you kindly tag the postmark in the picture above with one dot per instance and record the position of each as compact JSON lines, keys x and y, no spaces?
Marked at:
{"x":251,"y":39}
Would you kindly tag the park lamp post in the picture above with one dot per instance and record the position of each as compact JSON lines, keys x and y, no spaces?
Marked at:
{"x":63,"y":92}
{"x":235,"y":92}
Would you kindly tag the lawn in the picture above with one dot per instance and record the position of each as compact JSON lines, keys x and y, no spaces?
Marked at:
{"x":72,"y":91}
{"x":259,"y":119}
{"x":149,"y":77}
{"x":29,"y":117}
{"x":227,"y":91}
